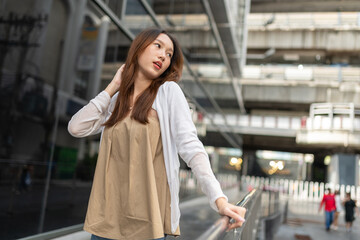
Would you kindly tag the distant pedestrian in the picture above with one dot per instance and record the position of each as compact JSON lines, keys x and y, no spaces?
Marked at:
{"x":349,"y":205}
{"x":25,"y":179}
{"x":337,"y":211}
{"x":330,"y":207}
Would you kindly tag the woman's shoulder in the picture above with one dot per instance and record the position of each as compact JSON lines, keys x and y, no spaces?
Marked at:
{"x":170,"y":85}
{"x":169,"y":89}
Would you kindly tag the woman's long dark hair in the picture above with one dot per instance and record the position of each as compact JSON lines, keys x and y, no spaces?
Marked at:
{"x":143,"y":104}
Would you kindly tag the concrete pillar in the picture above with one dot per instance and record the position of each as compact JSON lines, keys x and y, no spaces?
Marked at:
{"x":249,"y":159}
{"x":347,"y":169}
{"x":67,"y":74}
{"x":357,"y":170}
{"x":244,"y":167}
{"x":332,"y":170}
{"x":308,"y":171}
{"x":95,"y":78}
{"x":343,"y":169}
{"x":300,"y":169}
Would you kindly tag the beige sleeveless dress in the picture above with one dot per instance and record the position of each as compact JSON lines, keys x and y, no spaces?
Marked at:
{"x":130,"y":197}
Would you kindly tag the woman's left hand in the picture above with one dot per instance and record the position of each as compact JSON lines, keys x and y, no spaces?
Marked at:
{"x":232,"y":211}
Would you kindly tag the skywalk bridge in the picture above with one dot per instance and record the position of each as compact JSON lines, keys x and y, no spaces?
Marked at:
{"x":327,"y":126}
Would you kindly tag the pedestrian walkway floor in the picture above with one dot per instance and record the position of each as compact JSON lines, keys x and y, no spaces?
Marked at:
{"x":304,"y":222}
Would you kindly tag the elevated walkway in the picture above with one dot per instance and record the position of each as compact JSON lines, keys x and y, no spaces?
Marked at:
{"x":305,"y":222}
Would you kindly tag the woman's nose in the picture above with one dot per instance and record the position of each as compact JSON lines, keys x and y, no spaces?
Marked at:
{"x":162,"y":58}
{"x":162,"y":55}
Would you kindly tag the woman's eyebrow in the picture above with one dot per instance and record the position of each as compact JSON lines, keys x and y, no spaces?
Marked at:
{"x":164,"y":44}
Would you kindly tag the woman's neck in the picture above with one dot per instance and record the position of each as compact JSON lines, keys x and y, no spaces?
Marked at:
{"x":140,"y":84}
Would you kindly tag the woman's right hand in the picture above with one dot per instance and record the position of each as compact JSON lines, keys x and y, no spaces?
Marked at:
{"x":114,"y":85}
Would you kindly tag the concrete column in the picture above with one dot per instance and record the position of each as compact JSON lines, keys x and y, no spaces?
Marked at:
{"x":332,"y":171}
{"x":121,"y":11}
{"x":249,"y":159}
{"x":308,"y":171}
{"x":300,"y":169}
{"x":347,"y":169}
{"x":95,"y":79}
{"x":304,"y":168}
{"x":244,"y":166}
{"x":343,"y":169}
{"x":67,"y":74}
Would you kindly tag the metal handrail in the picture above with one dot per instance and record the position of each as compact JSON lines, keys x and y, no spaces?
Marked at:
{"x":246,"y":199}
{"x":218,"y":229}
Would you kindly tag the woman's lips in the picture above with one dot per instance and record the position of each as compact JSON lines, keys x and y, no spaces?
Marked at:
{"x":157,"y":65}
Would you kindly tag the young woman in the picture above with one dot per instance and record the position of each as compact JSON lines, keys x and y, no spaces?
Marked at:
{"x":349,"y":206}
{"x":145,"y":123}
{"x":335,"y":223}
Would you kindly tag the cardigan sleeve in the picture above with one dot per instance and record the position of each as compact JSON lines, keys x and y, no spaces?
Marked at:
{"x":189,"y":146}
{"x":89,"y":119}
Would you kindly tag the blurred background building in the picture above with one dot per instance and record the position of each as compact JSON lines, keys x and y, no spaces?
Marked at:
{"x":274,"y":88}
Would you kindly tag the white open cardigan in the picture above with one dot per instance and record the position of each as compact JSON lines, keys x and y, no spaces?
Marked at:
{"x":178,"y":134}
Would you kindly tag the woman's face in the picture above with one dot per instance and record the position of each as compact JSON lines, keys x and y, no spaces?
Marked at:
{"x":156,"y":57}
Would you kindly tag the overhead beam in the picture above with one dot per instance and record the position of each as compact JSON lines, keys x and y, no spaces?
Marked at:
{"x":224,"y":55}
{"x":286,"y":6}
{"x":177,"y":6}
{"x":114,"y":18}
{"x":262,"y":6}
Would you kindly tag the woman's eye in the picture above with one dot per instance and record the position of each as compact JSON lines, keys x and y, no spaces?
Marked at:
{"x":169,"y":54}
{"x":158,"y":45}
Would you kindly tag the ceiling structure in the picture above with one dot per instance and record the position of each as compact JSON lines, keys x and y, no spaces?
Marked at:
{"x":270,"y":6}
{"x":227,"y":50}
{"x":261,"y":6}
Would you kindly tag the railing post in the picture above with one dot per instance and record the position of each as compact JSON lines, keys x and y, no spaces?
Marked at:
{"x":291,"y":189}
{"x":321,"y":191}
{"x":317,"y":191}
{"x":347,"y":188}
{"x":306,"y":191}
{"x":296,"y":189}
{"x":311,"y":191}
{"x":353,"y":192}
{"x":342,"y":191}
{"x":286,"y":187}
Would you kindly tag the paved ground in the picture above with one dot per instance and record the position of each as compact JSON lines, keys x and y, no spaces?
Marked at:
{"x":304,"y":220}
